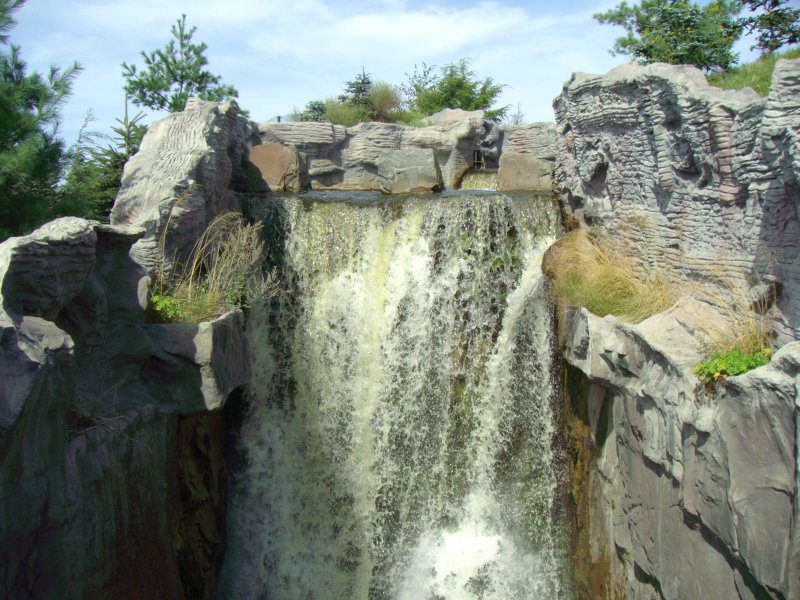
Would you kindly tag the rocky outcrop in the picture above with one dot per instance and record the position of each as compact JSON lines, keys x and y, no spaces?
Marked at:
{"x":340,"y":158}
{"x":692,"y":491}
{"x":715,"y":172}
{"x":184,"y":175}
{"x":527,"y":157}
{"x":90,"y":398}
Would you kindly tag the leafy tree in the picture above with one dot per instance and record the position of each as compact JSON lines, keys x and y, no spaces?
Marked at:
{"x":456,"y":87}
{"x":174,"y":74}
{"x":32,"y":155}
{"x":314,"y":111}
{"x":677,"y":32}
{"x":776,"y":24}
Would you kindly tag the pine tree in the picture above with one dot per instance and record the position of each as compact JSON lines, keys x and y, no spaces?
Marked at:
{"x":32,"y":155}
{"x":174,"y":74}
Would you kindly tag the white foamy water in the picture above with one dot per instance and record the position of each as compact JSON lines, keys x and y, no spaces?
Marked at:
{"x":399,"y":431}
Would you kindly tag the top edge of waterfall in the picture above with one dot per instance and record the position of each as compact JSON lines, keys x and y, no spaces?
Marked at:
{"x":375,"y":197}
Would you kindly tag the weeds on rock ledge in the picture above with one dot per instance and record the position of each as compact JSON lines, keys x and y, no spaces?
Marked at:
{"x":607,"y":277}
{"x":223,"y":271}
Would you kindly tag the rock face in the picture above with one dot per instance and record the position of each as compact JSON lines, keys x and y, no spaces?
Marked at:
{"x":340,"y":158}
{"x":280,"y":167}
{"x":409,"y":171}
{"x":90,"y":398}
{"x":693,"y":491}
{"x":715,"y":172}
{"x":183,"y":176}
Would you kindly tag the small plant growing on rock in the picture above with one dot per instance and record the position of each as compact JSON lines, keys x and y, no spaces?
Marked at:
{"x":733,"y":362}
{"x":222,"y":273}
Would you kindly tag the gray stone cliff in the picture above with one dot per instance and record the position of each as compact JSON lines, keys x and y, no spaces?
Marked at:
{"x":684,"y":491}
{"x":91,"y":404}
{"x":715,"y":172}
{"x":693,"y":492}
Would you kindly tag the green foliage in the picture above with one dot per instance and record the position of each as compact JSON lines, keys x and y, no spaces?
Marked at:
{"x":775,"y":24}
{"x":728,"y":364}
{"x":95,"y":171}
{"x":457,"y":86}
{"x":356,"y":92}
{"x":165,"y":309}
{"x":314,"y":111}
{"x":174,"y":74}
{"x":677,"y":32}
{"x":383,"y":100}
{"x":344,"y":113}
{"x":757,"y":75}
{"x":32,"y":157}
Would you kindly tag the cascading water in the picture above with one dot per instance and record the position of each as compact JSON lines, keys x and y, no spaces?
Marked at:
{"x":397,"y":442}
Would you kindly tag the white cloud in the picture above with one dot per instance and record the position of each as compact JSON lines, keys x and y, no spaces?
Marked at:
{"x":280,"y":55}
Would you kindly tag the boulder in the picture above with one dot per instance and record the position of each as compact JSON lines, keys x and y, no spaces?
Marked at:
{"x":537,"y":139}
{"x":409,"y":171}
{"x":183,"y":176}
{"x":524,"y":172}
{"x":281,"y":167}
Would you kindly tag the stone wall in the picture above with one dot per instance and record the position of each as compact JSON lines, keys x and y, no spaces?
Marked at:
{"x":713,"y":173}
{"x":685,"y":492}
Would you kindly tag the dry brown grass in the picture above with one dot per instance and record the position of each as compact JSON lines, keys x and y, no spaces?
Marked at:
{"x":223,"y":271}
{"x":608,"y":278}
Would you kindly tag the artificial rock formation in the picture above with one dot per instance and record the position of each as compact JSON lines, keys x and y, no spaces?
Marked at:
{"x":714,"y":173}
{"x":185,"y":174}
{"x":347,"y":158}
{"x":527,"y":157}
{"x":682,"y":490}
{"x":90,"y":399}
{"x":693,"y":491}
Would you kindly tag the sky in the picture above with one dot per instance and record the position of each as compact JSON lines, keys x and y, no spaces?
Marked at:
{"x":279,"y":55}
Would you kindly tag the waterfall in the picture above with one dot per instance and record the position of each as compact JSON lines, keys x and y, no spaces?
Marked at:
{"x":398,"y":438}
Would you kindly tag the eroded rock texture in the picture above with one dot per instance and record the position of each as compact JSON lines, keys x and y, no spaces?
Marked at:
{"x":183,"y":176}
{"x":692,"y":491}
{"x":340,"y":158}
{"x":713,"y":173}
{"x":90,"y":401}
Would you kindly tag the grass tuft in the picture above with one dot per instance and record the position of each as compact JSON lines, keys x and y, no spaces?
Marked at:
{"x":757,"y":74}
{"x":222,"y":273}
{"x":607,"y":278}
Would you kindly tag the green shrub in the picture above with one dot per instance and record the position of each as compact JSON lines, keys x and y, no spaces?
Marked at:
{"x":728,"y":364}
{"x":165,"y":309}
{"x":343,"y":113}
{"x":756,"y":75}
{"x":383,"y":99}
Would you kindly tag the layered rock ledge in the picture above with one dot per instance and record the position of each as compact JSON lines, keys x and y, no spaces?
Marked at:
{"x":714,"y":173}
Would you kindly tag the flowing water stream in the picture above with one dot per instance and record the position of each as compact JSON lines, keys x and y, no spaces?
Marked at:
{"x":398,"y":437}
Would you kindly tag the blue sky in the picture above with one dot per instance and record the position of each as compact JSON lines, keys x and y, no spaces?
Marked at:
{"x":280,"y":55}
